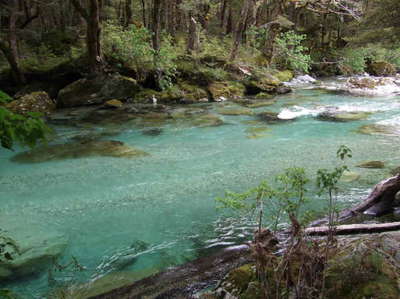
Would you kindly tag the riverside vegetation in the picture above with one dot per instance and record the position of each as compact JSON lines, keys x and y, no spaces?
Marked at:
{"x":155,"y":63}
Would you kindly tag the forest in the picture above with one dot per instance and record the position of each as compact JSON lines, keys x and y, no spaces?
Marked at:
{"x":199,"y":149}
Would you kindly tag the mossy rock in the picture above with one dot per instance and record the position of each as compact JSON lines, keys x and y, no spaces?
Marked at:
{"x":359,"y":271}
{"x":33,"y":102}
{"x":73,"y":150}
{"x":235,"y":111}
{"x":237,"y":280}
{"x":264,"y":95}
{"x":191,"y":92}
{"x":170,"y":95}
{"x":284,"y":76}
{"x":207,"y":120}
{"x":113,"y":104}
{"x":381,"y":68}
{"x":377,"y":129}
{"x":349,"y":176}
{"x":97,"y":91}
{"x":372,"y":164}
{"x":343,"y":116}
{"x":226,"y":89}
{"x":257,"y":130}
{"x":264,"y":83}
{"x":270,"y":117}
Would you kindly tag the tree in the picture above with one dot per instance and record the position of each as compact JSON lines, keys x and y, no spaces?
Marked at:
{"x":91,"y":15}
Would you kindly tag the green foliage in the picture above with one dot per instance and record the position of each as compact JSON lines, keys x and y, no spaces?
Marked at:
{"x":352,"y":61}
{"x":25,"y":130}
{"x":132,"y":48}
{"x":4,"y":98}
{"x":258,"y":36}
{"x":285,"y":199}
{"x":290,"y":53}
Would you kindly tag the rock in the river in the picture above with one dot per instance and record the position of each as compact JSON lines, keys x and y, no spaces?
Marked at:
{"x":36,"y":254}
{"x":97,"y":91}
{"x":265,"y":83}
{"x":113,"y":104}
{"x":381,"y":68}
{"x":349,"y":176}
{"x":378,"y":129}
{"x":372,"y":164}
{"x":339,"y":116}
{"x":106,"y":148}
{"x":34,"y":102}
{"x":270,"y":117}
{"x":207,"y":120}
{"x":225,"y":89}
{"x":235,"y":111}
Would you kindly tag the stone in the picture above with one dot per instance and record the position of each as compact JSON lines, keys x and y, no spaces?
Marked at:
{"x":377,"y":129}
{"x":74,"y":150}
{"x":381,"y":68}
{"x":226,"y":89}
{"x":395,"y":171}
{"x":266,"y":84}
{"x":33,"y":102}
{"x":284,"y":76}
{"x":37,"y":252}
{"x":235,"y":111}
{"x":270,"y":117}
{"x":97,"y":90}
{"x":113,"y":104}
{"x":207,"y":120}
{"x":372,"y":164}
{"x":349,"y":176}
{"x":342,"y":116}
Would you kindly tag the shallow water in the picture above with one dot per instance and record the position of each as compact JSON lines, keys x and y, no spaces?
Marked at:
{"x":104,"y":206}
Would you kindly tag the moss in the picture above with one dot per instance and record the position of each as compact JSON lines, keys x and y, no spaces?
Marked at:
{"x":264,"y":95}
{"x":343,"y":116}
{"x":33,"y":102}
{"x":376,"y":129}
{"x":227,"y":89}
{"x":238,"y":279}
{"x":372,"y":164}
{"x":381,"y":68}
{"x":235,"y":111}
{"x":192,"y":92}
{"x":207,"y":120}
{"x":253,"y":291}
{"x":284,"y":76}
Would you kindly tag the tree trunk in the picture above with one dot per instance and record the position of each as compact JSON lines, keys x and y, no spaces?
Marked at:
{"x":193,"y":40}
{"x":156,"y":26}
{"x":379,"y":202}
{"x":240,"y":28}
{"x":17,"y":74}
{"x":352,"y":229}
{"x":128,"y":13}
{"x":93,"y":33}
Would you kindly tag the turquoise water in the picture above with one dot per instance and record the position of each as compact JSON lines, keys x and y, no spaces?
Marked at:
{"x":106,"y":205}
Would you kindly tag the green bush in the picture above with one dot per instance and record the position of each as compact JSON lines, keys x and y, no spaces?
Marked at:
{"x":4,"y":98}
{"x":352,"y":61}
{"x":25,"y":130}
{"x":289,"y":52}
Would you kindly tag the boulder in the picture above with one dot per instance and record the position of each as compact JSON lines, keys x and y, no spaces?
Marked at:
{"x":377,"y":129}
{"x":270,"y":117}
{"x":235,"y":111}
{"x":266,"y":83}
{"x":381,"y":68}
{"x":97,"y":91}
{"x":372,"y":164}
{"x":89,"y":148}
{"x":339,"y":116}
{"x":113,"y":104}
{"x":284,"y":76}
{"x":226,"y":89}
{"x":349,"y":176}
{"x":36,"y":253}
{"x":33,"y":102}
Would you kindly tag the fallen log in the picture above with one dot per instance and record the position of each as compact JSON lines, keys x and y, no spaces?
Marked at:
{"x":352,"y":229}
{"x":380,"y":201}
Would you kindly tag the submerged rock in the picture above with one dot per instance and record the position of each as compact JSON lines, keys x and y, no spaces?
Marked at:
{"x":113,"y":104}
{"x":372,"y":164}
{"x":339,"y":116}
{"x":235,"y":111}
{"x":36,"y":253}
{"x":349,"y":176}
{"x":207,"y":120}
{"x":270,"y":117}
{"x":152,"y":132}
{"x":378,"y":129}
{"x":106,"y":148}
{"x":33,"y":102}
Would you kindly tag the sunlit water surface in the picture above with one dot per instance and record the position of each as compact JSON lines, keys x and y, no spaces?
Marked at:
{"x":106,"y":205}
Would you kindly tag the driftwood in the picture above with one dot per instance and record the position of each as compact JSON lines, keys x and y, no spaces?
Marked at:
{"x":380,"y":201}
{"x":353,"y":229}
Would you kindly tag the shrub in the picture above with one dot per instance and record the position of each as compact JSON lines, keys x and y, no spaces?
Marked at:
{"x":289,"y":52}
{"x":4,"y":98}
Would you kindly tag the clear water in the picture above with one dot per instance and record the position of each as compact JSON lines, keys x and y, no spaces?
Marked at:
{"x":104,"y":205}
